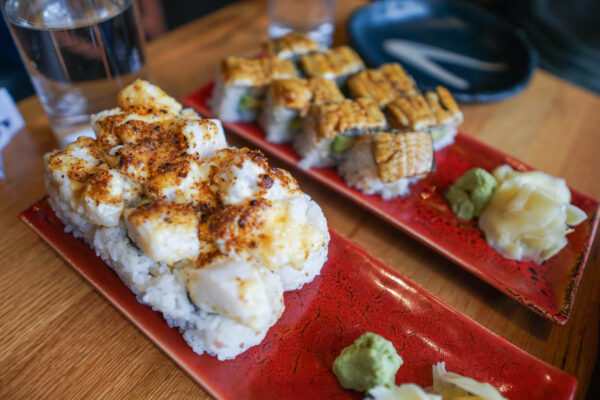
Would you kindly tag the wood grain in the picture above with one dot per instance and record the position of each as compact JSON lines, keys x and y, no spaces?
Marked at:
{"x":60,"y":339}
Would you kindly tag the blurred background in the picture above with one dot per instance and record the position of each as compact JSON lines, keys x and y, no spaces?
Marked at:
{"x":566,"y":34}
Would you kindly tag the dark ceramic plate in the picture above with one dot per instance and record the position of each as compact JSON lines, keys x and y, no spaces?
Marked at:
{"x":355,"y":293}
{"x":473,"y":53}
{"x":548,"y":289}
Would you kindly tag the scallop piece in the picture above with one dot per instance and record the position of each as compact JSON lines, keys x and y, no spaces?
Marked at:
{"x":244,"y":174}
{"x":117,"y":126}
{"x":286,"y":236}
{"x":182,"y":180}
{"x":203,"y":136}
{"x":104,"y":194}
{"x":68,"y":169}
{"x":165,"y":232}
{"x":143,"y":93}
{"x":200,"y":138}
{"x":237,"y":289}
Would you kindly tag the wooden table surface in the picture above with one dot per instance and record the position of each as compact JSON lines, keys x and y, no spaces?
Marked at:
{"x":60,"y":339}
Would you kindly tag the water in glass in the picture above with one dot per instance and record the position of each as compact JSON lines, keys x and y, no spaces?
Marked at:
{"x":313,"y":17}
{"x":79,"y":53}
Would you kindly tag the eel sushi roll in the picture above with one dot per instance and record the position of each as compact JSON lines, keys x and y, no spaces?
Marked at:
{"x":435,"y":112}
{"x":383,"y":85}
{"x":337,"y":64}
{"x":387,"y":163}
{"x":291,"y":46}
{"x":288,"y":102}
{"x":329,"y":128}
{"x":241,"y":85}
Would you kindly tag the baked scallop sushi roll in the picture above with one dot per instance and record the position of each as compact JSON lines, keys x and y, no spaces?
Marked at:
{"x":387,"y":163}
{"x":327,"y":127}
{"x":288,"y":102}
{"x":435,"y":112}
{"x":210,"y":236}
{"x":241,"y":85}
{"x":336,"y":64}
{"x":291,"y":46}
{"x":383,"y":85}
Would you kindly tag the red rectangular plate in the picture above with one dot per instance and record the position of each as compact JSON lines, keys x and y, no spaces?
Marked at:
{"x":548,"y":289}
{"x":355,"y":293}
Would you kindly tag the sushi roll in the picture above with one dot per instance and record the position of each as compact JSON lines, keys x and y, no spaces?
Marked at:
{"x":241,"y":86}
{"x":328,"y":129}
{"x":383,"y":85}
{"x":291,"y":46}
{"x":336,"y":64}
{"x":435,"y":112}
{"x":386,"y":163}
{"x":288,"y":101}
{"x":208,"y":235}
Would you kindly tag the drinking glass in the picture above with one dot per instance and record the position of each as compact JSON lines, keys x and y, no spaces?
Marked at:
{"x":313,"y":17}
{"x":79,"y":54}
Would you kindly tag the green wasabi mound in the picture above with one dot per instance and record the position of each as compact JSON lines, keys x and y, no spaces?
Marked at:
{"x":471,"y":192}
{"x":369,"y":362}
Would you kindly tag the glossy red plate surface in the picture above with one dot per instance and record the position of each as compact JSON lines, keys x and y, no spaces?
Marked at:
{"x":424,"y":214}
{"x":354,"y":294}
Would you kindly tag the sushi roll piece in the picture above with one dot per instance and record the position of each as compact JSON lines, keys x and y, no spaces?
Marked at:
{"x":386,"y":163}
{"x":383,"y":85}
{"x":329,"y":128}
{"x":288,"y":102}
{"x":241,"y":85}
{"x":291,"y":46}
{"x":336,"y":64}
{"x":435,"y":112}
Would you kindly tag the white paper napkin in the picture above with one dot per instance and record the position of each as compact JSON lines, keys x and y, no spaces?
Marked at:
{"x":11,"y":122}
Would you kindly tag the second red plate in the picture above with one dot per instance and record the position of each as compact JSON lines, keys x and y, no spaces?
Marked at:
{"x":548,"y":289}
{"x":354,"y":293}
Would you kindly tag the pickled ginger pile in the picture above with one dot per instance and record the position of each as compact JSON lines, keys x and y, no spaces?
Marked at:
{"x":524,"y":215}
{"x":529,"y":215}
